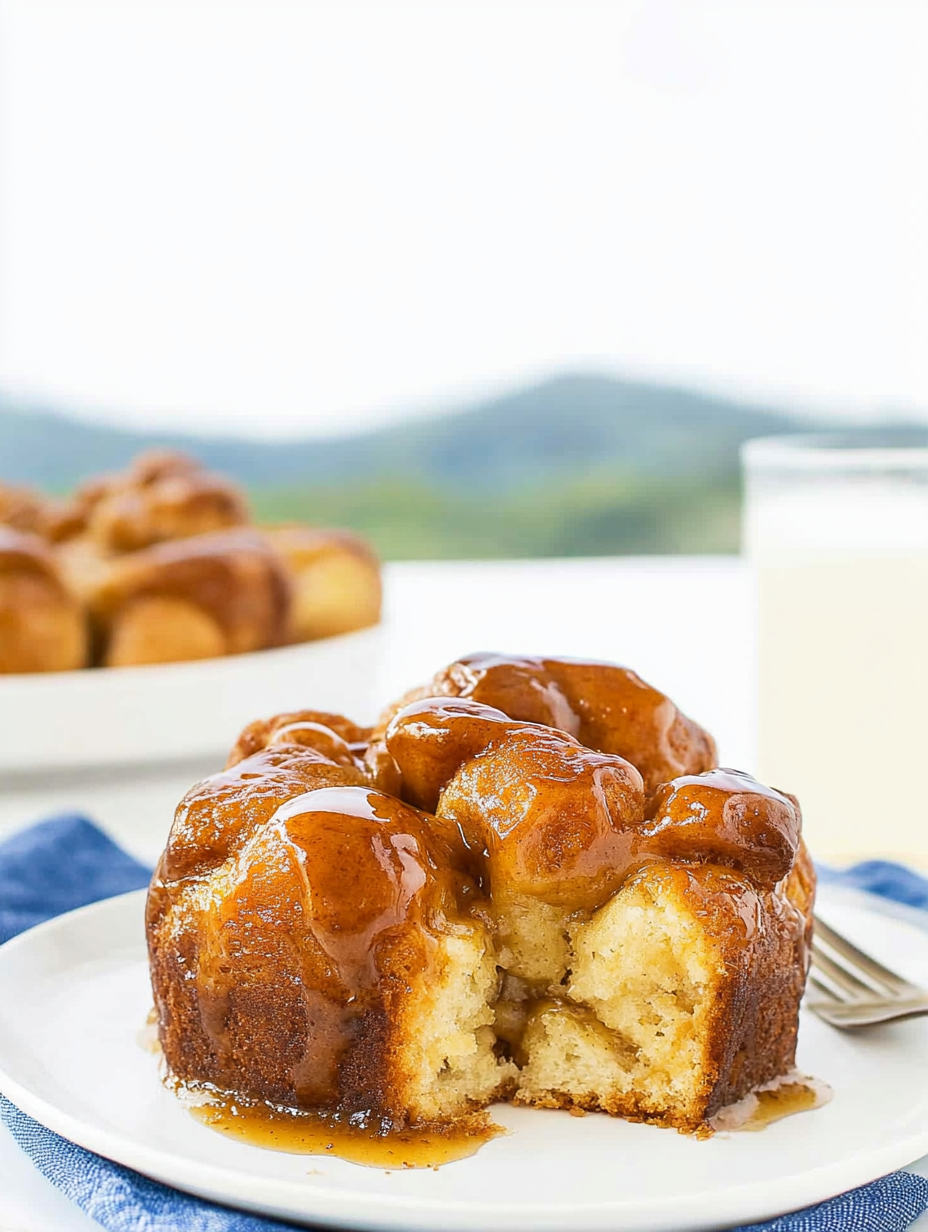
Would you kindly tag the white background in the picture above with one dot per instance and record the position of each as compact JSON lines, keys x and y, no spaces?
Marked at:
{"x":294,"y":217}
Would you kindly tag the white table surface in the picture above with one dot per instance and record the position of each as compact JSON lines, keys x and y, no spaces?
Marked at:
{"x":684,"y":623}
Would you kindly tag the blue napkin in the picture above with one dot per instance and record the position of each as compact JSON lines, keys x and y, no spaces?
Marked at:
{"x":58,"y":865}
{"x":67,"y":862}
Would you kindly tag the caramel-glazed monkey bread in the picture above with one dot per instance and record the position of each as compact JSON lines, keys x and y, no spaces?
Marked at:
{"x":606,"y":707}
{"x":42,"y":626}
{"x":335,"y":578}
{"x":23,"y":509}
{"x":165,"y":565}
{"x":195,"y":598}
{"x":163,"y":495}
{"x":532,"y":884}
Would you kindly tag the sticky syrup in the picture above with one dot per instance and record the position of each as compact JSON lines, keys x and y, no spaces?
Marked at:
{"x":784,"y":1101}
{"x":304,"y":1133}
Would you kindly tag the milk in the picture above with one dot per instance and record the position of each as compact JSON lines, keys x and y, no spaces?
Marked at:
{"x":841,"y":568}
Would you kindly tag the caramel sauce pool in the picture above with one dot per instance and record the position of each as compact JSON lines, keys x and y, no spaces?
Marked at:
{"x":306,"y":1133}
{"x":784,"y":1101}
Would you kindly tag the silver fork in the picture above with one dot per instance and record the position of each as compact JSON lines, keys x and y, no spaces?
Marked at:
{"x":854,"y":990}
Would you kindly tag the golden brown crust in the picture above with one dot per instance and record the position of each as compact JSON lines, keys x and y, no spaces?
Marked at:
{"x":23,"y":509}
{"x":163,"y":496}
{"x":76,"y":512}
{"x":42,"y":626}
{"x":287,"y":986}
{"x":305,"y":544}
{"x":335,"y":576}
{"x":191,"y":598}
{"x":751,"y":1037}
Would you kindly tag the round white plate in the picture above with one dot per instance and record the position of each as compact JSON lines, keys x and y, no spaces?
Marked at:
{"x":74,"y":993}
{"x":113,"y":716}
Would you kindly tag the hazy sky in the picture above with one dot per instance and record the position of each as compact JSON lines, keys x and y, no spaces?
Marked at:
{"x":270,"y":217}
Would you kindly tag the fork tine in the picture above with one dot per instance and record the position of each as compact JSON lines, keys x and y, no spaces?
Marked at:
{"x":882,"y":976}
{"x":851,"y":1014}
{"x":843,"y":979}
{"x":824,"y":989}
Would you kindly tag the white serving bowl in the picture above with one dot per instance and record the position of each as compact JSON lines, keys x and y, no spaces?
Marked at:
{"x":173,"y":711}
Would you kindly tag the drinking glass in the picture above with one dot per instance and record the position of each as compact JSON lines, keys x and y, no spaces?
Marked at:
{"x":836,"y":527}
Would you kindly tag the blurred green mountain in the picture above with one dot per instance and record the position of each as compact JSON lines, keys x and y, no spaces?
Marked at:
{"x":553,"y":429}
{"x":575,"y":465}
{"x":600,"y":514}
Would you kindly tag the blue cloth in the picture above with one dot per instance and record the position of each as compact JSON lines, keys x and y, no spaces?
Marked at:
{"x":58,"y":865}
{"x":880,"y":877}
{"x":68,"y":862}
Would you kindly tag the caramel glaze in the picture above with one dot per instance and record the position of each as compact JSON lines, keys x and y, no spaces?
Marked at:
{"x":325,"y":900}
{"x":297,"y":900}
{"x":608,"y":708}
{"x":218,"y":816}
{"x":233,"y":575}
{"x":332,"y":735}
{"x":727,"y":817}
{"x":785,"y":1096}
{"x":432,"y":738}
{"x":548,"y":817}
{"x":360,"y":1140}
{"x":782,"y":1102}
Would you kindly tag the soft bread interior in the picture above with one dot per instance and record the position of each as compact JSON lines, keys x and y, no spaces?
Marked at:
{"x":448,"y":1043}
{"x":571,"y":1059}
{"x":612,"y":1012}
{"x":532,"y":938}
{"x":635,"y":1020}
{"x":620,"y":1011}
{"x":645,"y":964}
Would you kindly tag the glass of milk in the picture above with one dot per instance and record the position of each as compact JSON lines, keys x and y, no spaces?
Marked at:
{"x":836,"y":528}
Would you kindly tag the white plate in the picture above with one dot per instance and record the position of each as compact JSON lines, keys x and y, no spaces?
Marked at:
{"x":74,"y":992}
{"x":113,"y":716}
